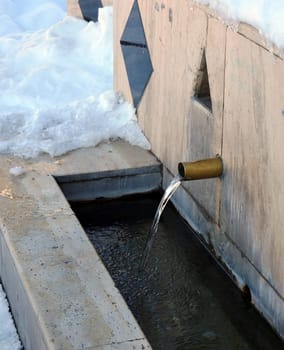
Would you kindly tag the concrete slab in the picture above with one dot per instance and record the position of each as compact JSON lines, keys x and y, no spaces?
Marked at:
{"x":61,"y":295}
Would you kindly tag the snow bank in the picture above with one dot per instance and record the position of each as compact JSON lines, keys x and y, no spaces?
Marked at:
{"x":266,"y":15}
{"x":9,"y":339}
{"x":56,"y":81}
{"x":17,"y":16}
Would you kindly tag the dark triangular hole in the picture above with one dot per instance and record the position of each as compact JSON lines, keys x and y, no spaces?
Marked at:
{"x":90,"y":9}
{"x":136,"y":54}
{"x":202,"y":90}
{"x":134,"y":32}
{"x":139,"y":69}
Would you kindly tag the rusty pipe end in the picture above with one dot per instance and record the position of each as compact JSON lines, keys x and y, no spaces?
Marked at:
{"x":201,"y":169}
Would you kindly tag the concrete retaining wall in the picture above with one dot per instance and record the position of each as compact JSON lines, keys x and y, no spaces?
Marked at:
{"x":241,"y":214}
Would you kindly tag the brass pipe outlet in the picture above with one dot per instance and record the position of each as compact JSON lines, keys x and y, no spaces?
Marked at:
{"x":201,"y":169}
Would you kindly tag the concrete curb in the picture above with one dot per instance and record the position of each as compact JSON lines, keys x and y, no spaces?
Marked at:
{"x":60,"y":293}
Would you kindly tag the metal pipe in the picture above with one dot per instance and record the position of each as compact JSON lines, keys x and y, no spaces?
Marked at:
{"x":201,"y":169}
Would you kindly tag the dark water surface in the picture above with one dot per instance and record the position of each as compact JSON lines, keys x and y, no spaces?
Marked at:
{"x":182,"y":299}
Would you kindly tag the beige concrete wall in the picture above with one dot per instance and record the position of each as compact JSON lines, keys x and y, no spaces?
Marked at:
{"x":241,"y":213}
{"x":73,"y":8}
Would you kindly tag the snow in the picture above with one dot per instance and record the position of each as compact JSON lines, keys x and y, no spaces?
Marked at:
{"x":266,"y":15}
{"x":56,"y":81}
{"x":8,"y":336}
{"x":56,"y":74}
{"x":17,"y":171}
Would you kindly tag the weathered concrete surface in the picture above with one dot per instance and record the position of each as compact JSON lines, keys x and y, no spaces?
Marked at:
{"x":241,"y":214}
{"x":110,"y":184}
{"x":177,"y":36}
{"x":60,"y":293}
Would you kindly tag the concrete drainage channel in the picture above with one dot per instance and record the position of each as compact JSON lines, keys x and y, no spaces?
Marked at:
{"x":60,"y":293}
{"x":82,"y":296}
{"x":114,"y":312}
{"x":181,"y":281}
{"x":181,"y":298}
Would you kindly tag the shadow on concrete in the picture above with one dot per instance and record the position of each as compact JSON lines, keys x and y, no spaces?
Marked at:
{"x":90,"y":9}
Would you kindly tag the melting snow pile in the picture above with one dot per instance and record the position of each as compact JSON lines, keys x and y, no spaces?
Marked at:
{"x":266,"y":15}
{"x":56,"y":81}
{"x":8,"y":336}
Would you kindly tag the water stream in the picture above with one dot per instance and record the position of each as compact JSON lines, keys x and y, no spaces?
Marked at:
{"x":173,"y":186}
{"x":181,"y":299}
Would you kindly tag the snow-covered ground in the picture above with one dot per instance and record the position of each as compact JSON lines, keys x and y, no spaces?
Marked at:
{"x":266,"y":15}
{"x":56,"y":81}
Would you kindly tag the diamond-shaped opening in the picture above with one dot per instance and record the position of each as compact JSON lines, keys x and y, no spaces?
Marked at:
{"x":90,"y":9}
{"x":136,"y":54}
{"x":202,"y":89}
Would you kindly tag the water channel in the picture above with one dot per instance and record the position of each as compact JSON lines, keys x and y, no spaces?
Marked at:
{"x":182,"y":299}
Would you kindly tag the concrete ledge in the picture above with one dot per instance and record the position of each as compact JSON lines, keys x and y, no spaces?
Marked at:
{"x":110,"y":184}
{"x":61,"y":295}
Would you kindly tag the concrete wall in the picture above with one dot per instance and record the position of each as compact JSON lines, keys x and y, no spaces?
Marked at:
{"x":241,"y":214}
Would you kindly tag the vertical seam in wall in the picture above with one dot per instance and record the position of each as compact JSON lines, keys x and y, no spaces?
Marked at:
{"x":224,"y":87}
{"x":222,"y":127}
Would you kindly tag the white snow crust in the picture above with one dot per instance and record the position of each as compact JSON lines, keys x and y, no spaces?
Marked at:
{"x":9,"y":339}
{"x":56,"y":81}
{"x":265,"y":15}
{"x":17,"y":171}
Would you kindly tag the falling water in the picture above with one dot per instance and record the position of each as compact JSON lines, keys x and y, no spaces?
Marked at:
{"x":173,"y":186}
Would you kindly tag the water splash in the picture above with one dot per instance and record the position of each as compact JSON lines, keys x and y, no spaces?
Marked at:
{"x":173,"y":186}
